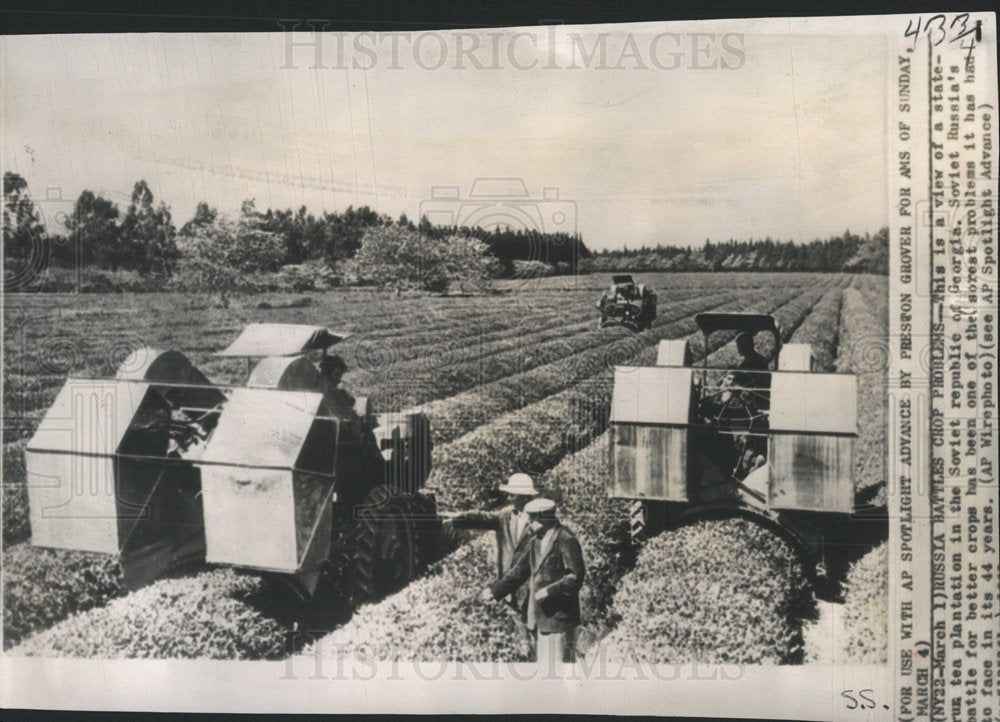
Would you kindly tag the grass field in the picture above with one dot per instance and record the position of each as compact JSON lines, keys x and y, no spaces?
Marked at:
{"x":517,"y":380}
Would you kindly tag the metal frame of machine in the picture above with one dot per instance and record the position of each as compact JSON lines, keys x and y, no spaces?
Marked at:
{"x":680,"y":431}
{"x":161,"y":467}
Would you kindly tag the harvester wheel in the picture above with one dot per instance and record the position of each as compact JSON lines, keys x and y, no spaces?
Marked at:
{"x":384,"y":555}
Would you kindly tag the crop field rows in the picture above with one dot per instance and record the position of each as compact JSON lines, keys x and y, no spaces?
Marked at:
{"x":511,"y":382}
{"x":396,"y":628}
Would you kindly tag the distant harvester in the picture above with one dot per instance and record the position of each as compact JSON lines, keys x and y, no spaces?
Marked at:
{"x":627,"y":304}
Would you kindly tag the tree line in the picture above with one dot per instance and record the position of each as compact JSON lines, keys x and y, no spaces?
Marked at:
{"x":216,"y":250}
{"x":848,"y":252}
{"x":357,"y":245}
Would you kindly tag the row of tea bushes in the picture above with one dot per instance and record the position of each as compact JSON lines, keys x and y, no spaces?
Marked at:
{"x":208,"y":616}
{"x":719,"y":591}
{"x":866,"y":609}
{"x":44,"y":586}
{"x":864,"y":351}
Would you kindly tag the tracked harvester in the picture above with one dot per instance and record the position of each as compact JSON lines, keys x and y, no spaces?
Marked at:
{"x":774,"y":443}
{"x":282,"y":475}
{"x":627,"y":303}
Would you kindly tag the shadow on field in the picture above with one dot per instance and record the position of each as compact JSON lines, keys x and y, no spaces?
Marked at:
{"x":846,"y":538}
{"x":333,"y":603}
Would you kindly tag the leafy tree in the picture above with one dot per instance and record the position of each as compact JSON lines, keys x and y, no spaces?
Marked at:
{"x":464,"y":259}
{"x":148,"y":234}
{"x":344,"y":232}
{"x":93,"y":226}
{"x":23,"y":230}
{"x":872,"y":255}
{"x":216,"y":257}
{"x":401,"y":258}
{"x":204,"y":215}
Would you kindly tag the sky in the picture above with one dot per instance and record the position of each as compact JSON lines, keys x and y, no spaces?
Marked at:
{"x":629,"y":134}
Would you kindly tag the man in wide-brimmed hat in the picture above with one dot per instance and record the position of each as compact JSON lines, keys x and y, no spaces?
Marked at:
{"x":553,"y":571}
{"x":510,"y":524}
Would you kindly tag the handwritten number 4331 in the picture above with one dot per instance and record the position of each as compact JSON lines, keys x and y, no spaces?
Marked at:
{"x":938,"y":29}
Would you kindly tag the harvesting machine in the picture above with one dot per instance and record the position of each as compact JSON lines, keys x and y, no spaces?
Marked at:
{"x":776,"y":445}
{"x":162,"y":468}
{"x":627,"y":303}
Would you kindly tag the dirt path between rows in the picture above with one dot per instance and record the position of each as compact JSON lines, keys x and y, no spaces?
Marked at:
{"x":824,"y":637}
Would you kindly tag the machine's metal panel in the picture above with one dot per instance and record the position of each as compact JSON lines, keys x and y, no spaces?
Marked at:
{"x":259,"y":511}
{"x":249,"y":517}
{"x":814,"y":403}
{"x":281,"y":339}
{"x":71,"y":468}
{"x":649,"y":462}
{"x":171,"y":367}
{"x":88,"y":417}
{"x":71,"y":501}
{"x":150,"y":364}
{"x":651,"y":395}
{"x":262,"y":428}
{"x":312,"y":515}
{"x":812,"y":472}
{"x":795,"y":357}
{"x":673,"y":352}
{"x":286,"y":373}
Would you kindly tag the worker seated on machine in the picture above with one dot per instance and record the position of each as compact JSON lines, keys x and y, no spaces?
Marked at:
{"x":751,"y":361}
{"x":752,"y":379}
{"x":332,"y":368}
{"x":755,"y":383}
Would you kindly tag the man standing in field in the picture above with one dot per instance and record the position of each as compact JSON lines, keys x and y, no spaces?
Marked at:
{"x":553,"y":571}
{"x":510,"y":525}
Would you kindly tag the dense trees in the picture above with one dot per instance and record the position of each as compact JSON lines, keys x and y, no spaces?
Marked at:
{"x":147,"y":235}
{"x":360,"y":243}
{"x":93,"y":233}
{"x":401,"y":257}
{"x":23,"y":231}
{"x":94,"y":226}
{"x":848,"y":252}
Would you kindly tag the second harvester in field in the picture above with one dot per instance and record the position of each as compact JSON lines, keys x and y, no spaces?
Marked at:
{"x":627,"y":304}
{"x":770,"y":440}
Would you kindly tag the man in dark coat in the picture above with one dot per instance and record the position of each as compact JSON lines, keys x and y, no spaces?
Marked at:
{"x":510,"y":524}
{"x":553,"y":571}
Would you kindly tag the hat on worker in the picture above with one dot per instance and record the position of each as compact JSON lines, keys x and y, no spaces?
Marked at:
{"x":519,"y":484}
{"x":542,"y":507}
